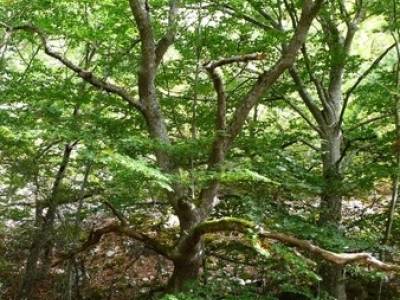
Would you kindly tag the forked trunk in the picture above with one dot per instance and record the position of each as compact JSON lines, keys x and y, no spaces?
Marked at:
{"x":189,"y":256}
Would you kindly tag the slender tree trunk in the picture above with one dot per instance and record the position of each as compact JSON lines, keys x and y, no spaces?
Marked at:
{"x":393,"y":202}
{"x":396,"y":179}
{"x":43,"y":234}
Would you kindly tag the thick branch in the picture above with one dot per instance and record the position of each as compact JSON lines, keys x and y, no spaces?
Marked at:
{"x":266,"y":80}
{"x":217,"y":153}
{"x":244,"y":226}
{"x":82,"y":73}
{"x":146,"y":78}
{"x":168,"y":39}
{"x":96,"y":235}
{"x":335,"y":258}
{"x":218,"y":149}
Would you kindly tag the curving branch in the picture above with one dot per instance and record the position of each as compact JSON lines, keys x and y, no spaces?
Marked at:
{"x":82,"y":73}
{"x":218,"y":149}
{"x":244,"y":226}
{"x":96,"y":235}
{"x":351,"y":90}
{"x":342,"y":259}
{"x":217,"y":153}
{"x":221,"y":144}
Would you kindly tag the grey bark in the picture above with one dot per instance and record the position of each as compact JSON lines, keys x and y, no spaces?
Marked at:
{"x":395,"y":179}
{"x":190,"y":214}
{"x":329,"y":122}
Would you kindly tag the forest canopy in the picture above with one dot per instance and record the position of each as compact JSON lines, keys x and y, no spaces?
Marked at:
{"x":170,"y":149}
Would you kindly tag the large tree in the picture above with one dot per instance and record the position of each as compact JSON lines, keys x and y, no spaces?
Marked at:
{"x":110,"y":79}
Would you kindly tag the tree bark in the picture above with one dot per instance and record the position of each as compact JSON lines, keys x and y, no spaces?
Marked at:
{"x":329,"y":121}
{"x":331,"y":198}
{"x":190,"y":255}
{"x":188,"y":259}
{"x":43,"y":234}
{"x":186,"y":269}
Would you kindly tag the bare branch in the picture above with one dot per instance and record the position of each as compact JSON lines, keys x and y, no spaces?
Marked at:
{"x":371,"y":120}
{"x":244,"y":226}
{"x":303,"y":115}
{"x":322,"y":93}
{"x":351,"y":90}
{"x":235,"y":13}
{"x":335,"y":258}
{"x":234,"y":59}
{"x":112,"y":227}
{"x":275,"y":24}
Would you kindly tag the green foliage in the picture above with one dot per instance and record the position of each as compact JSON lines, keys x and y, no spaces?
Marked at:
{"x":272,"y":173}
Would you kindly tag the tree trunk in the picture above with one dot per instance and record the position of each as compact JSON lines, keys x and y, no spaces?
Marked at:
{"x":186,"y":269}
{"x":189,"y":258}
{"x":331,"y":199}
{"x":333,"y":279}
{"x":43,"y":234}
{"x":40,"y":239}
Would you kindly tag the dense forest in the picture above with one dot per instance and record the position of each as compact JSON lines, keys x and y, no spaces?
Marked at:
{"x":185,"y":150}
